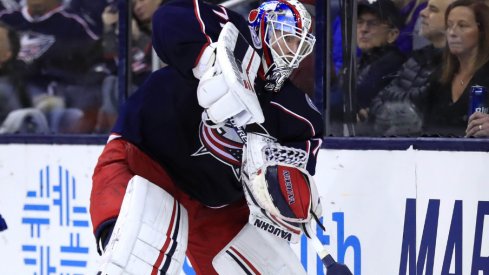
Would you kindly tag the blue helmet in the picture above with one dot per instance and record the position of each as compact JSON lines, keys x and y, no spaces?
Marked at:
{"x":283,"y":29}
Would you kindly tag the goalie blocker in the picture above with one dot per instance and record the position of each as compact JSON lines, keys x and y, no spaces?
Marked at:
{"x":227,"y":72}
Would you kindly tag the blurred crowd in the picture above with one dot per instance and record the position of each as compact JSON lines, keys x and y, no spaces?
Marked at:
{"x":415,"y":64}
{"x":58,"y":71}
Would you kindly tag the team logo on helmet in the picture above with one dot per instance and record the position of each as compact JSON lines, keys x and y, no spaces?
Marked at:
{"x":252,"y":18}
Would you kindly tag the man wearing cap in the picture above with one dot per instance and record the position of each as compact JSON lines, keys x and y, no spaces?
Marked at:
{"x":378,"y":28}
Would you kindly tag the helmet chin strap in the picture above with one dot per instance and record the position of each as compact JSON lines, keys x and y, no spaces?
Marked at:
{"x":275,"y":77}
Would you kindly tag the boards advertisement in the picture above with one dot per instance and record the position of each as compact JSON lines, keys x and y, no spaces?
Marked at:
{"x":385,"y":212}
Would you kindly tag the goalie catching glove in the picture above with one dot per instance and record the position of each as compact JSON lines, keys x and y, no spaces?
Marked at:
{"x":227,"y":72}
{"x":277,"y":187}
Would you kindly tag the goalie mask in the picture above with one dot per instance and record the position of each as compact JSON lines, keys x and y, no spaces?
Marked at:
{"x":282,"y":28}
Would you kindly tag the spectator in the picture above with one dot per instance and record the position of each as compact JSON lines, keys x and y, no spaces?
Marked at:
{"x":143,"y":60}
{"x":11,"y":89}
{"x":143,"y":12}
{"x":407,"y":40}
{"x":110,"y":42}
{"x":396,"y":109}
{"x":142,"y":56}
{"x":410,"y":10}
{"x":377,"y":30}
{"x":465,"y":64}
{"x":60,"y":52}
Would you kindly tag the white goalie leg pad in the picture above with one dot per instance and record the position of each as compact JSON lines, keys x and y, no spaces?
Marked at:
{"x":255,"y":252}
{"x":151,"y":232}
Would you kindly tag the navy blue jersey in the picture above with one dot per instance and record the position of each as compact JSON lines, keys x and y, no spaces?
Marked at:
{"x":163,"y":118}
{"x":56,"y":46}
{"x":183,"y":28}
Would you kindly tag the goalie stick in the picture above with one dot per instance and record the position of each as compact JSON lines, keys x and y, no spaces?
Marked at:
{"x":332,"y":267}
{"x":232,"y":52}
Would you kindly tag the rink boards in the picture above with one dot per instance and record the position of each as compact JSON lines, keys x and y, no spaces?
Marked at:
{"x":403,"y":211}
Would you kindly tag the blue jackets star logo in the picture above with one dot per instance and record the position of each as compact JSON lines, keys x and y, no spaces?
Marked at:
{"x":223,"y":144}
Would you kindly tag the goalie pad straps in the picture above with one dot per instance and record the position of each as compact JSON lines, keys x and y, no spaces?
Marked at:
{"x":150,"y":234}
{"x":255,"y":252}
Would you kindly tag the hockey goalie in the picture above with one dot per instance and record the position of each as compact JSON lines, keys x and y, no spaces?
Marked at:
{"x":212,"y":157}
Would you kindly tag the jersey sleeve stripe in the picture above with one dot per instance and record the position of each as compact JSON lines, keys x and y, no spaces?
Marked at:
{"x":113,"y":136}
{"x":201,"y":22}
{"x":318,"y":146}
{"x":299,"y":117}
